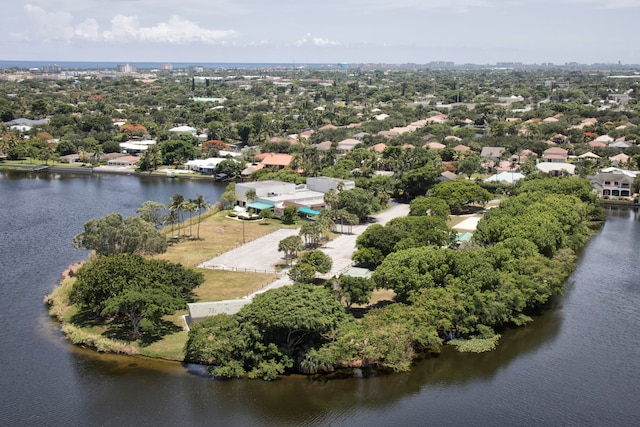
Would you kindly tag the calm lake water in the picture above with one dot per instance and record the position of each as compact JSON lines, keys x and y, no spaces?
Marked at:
{"x":577,"y":364}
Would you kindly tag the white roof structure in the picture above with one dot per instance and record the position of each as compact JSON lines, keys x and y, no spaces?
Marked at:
{"x":556,"y":167}
{"x":588,"y":155}
{"x":137,"y":145}
{"x":506,"y":177}
{"x":629,"y":173}
{"x":209,"y":163}
{"x":183,"y":129}
{"x":604,"y":138}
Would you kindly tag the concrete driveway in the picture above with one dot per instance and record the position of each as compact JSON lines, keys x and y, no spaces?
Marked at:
{"x":260,"y":255}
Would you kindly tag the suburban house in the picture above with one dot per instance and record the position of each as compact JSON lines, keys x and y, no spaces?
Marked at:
{"x":324,"y":145}
{"x":136,"y":146}
{"x":435,"y":145}
{"x":555,"y":155}
{"x":447,"y":176}
{"x":505,"y":177}
{"x":620,"y":159}
{"x":347,"y":145}
{"x":124,"y":161}
{"x":205,"y":166}
{"x":492,"y":153}
{"x":556,"y":169}
{"x":275,"y":160}
{"x":461,"y":148}
{"x":614,"y":182}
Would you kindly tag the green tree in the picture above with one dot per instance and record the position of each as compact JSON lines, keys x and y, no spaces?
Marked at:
{"x":320,"y":261}
{"x":150,"y":159}
{"x":133,"y":289}
{"x":151,"y":211}
{"x":229,"y":196}
{"x":311,"y":231}
{"x":201,"y":204}
{"x":359,"y":202}
{"x":177,"y":204}
{"x":114,"y":234}
{"x":302,"y":273}
{"x":176,"y":152}
{"x":469,"y":165}
{"x":460,"y":193}
{"x":230,"y":167}
{"x":417,"y":182}
{"x":352,"y":290}
{"x":430,"y":206}
{"x":290,"y":246}
{"x":289,"y":214}
{"x":269,"y":336}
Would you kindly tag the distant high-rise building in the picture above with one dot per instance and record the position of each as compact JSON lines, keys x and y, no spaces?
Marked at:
{"x":52,"y":68}
{"x":166,"y":67}
{"x":126,"y":68}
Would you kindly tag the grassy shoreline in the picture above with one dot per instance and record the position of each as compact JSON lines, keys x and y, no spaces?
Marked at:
{"x":218,"y":234}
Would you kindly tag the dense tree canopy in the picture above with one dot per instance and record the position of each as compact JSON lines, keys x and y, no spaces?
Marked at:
{"x":358,"y":202}
{"x":460,"y":193}
{"x":378,"y":241}
{"x":114,"y":234}
{"x":133,"y":289}
{"x":429,"y":206}
{"x":268,"y":337}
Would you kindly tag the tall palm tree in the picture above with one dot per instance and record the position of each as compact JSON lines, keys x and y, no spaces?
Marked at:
{"x":172,"y":218}
{"x":190,"y":206}
{"x":177,"y":204}
{"x":202,"y":204}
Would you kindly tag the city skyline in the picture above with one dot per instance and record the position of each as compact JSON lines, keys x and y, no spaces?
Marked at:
{"x":352,"y":31}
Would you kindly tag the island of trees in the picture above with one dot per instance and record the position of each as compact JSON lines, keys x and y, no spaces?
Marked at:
{"x":430,"y":138}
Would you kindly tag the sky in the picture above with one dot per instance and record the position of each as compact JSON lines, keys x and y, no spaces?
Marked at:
{"x":322,"y":31}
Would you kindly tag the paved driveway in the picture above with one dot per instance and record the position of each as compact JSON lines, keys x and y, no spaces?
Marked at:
{"x":260,"y":255}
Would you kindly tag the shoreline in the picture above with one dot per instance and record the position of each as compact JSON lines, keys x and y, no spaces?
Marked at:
{"x":97,"y":170}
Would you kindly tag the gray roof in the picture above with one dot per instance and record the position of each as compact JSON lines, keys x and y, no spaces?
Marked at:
{"x":492,"y":152}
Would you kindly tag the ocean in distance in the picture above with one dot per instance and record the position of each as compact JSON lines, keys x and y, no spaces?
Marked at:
{"x":101,"y":65}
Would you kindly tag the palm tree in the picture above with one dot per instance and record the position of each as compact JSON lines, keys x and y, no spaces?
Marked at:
{"x":250,"y":195}
{"x":202,"y":204}
{"x":172,"y":218}
{"x":177,"y":204}
{"x":190,"y":206}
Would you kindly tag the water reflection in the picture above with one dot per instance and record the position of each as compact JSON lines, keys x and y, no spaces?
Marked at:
{"x":575,"y":364}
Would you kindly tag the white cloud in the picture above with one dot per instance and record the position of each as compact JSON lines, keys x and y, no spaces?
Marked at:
{"x":45,"y":25}
{"x":309,"y":40}
{"x":58,"y":26}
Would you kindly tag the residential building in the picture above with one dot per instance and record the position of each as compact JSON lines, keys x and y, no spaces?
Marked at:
{"x":492,"y":153}
{"x":347,"y":145}
{"x":614,"y":182}
{"x":555,"y":155}
{"x":275,"y":160}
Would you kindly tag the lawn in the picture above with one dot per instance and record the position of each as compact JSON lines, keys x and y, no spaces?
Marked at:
{"x":218,"y":234}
